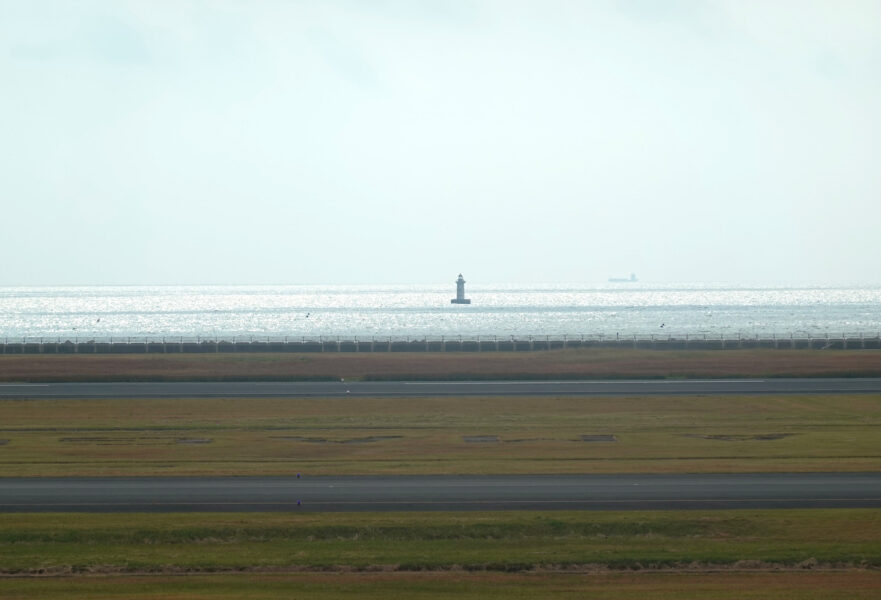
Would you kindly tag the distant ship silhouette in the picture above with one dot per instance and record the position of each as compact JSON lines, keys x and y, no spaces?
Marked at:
{"x":631,"y":279}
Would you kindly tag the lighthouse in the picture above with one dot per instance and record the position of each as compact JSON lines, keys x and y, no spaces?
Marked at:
{"x":460,"y":292}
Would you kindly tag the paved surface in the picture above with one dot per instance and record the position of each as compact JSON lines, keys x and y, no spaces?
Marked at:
{"x":464,"y":388}
{"x":494,"y":492}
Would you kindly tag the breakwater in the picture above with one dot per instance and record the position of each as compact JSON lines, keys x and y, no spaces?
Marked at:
{"x":130,"y":345}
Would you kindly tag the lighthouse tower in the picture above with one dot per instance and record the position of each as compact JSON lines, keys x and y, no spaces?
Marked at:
{"x":460,"y":292}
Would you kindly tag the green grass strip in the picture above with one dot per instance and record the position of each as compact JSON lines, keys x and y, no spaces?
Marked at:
{"x":509,"y":541}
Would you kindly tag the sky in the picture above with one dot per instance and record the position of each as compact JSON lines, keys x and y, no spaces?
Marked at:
{"x":157,"y":142}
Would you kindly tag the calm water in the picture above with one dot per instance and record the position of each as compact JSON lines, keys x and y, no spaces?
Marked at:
{"x":424,"y":310}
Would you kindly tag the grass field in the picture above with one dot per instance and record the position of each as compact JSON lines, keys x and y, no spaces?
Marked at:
{"x":573,"y":363}
{"x":807,"y":585}
{"x":251,"y":436}
{"x":610,"y":555}
{"x":498,"y":541}
{"x":624,"y":555}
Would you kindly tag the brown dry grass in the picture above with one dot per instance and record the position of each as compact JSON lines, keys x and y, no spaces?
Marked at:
{"x":580,"y":363}
{"x":429,"y":435}
{"x":862,"y":585}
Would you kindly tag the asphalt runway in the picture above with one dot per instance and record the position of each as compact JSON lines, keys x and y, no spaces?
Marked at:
{"x":447,"y":388}
{"x":449,"y":492}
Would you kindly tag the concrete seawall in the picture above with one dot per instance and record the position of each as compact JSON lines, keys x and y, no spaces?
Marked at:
{"x":482,"y":344}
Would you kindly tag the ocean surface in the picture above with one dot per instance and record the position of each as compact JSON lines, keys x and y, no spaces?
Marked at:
{"x":424,"y":311}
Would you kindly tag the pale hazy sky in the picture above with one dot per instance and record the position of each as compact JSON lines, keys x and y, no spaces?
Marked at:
{"x":186,"y":142}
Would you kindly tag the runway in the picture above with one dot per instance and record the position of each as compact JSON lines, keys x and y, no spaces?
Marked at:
{"x":431,"y":493}
{"x":253,"y":389}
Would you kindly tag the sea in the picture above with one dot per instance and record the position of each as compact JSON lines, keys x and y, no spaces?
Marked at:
{"x":230,"y":312}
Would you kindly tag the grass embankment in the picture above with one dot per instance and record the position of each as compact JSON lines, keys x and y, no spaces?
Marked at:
{"x":570,"y":364}
{"x":502,"y":541}
{"x":254,"y":436}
